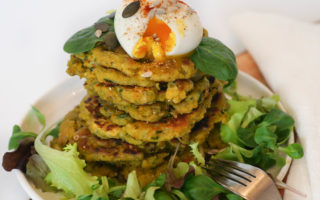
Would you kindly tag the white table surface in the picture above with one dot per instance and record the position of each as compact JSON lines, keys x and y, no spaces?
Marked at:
{"x":33,"y":32}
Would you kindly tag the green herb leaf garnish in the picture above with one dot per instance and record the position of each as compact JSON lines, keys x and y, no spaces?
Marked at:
{"x":214,"y":58}
{"x":41,"y":118}
{"x":17,"y":136}
{"x":86,"y":39}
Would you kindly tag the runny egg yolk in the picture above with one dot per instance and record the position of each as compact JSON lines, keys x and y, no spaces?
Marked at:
{"x":155,"y":42}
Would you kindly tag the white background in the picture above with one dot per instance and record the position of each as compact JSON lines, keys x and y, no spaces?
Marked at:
{"x":32,"y":34}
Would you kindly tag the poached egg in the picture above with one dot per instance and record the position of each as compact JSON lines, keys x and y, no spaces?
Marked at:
{"x":158,"y":29}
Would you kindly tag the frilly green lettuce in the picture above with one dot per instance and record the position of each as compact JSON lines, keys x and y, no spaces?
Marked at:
{"x":66,"y":168}
{"x":197,"y":154}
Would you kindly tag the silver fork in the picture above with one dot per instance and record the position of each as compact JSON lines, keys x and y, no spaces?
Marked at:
{"x":245,"y":180}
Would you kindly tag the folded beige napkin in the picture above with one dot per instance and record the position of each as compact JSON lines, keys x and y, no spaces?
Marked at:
{"x":288,"y":54}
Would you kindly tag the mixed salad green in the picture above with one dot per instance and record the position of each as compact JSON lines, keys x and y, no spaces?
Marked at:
{"x":256,"y":133}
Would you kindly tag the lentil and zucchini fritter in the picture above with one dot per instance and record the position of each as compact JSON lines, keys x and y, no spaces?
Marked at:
{"x":137,"y":111}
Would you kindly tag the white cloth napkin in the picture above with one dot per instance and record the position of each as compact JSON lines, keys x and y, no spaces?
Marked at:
{"x":288,"y":54}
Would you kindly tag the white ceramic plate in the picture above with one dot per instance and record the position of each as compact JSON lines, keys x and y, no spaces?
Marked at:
{"x":61,"y":99}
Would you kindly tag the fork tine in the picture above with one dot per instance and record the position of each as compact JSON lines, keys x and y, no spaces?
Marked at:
{"x":234,"y":170}
{"x":225,"y":182}
{"x":239,"y":175}
{"x":235,"y":178}
{"x":245,"y":168}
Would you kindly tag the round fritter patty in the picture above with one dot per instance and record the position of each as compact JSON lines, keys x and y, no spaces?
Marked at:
{"x":108,"y":150}
{"x":72,"y":123}
{"x":173,"y":92}
{"x":166,"y":71}
{"x":196,"y":97}
{"x":91,"y":147}
{"x":76,"y":67}
{"x":108,"y":74}
{"x":147,"y":113}
{"x":156,"y":111}
{"x":178,"y":90}
{"x":147,"y":74}
{"x":119,"y":114}
{"x":169,"y":128}
{"x":125,"y":95}
{"x":116,"y":116}
{"x":140,"y":132}
{"x":103,"y":127}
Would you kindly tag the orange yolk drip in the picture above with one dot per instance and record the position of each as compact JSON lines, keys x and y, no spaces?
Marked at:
{"x":156,"y":41}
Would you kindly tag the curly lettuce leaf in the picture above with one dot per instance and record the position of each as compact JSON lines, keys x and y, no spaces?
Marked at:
{"x":66,"y":168}
{"x":194,"y":149}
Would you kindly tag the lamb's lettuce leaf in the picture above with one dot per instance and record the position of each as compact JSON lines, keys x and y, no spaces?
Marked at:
{"x":293,"y":150}
{"x":150,"y":193}
{"x":255,"y":132}
{"x":202,"y":187}
{"x":133,"y":189}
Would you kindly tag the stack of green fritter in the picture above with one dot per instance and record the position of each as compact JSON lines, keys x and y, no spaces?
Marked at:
{"x":136,"y":112}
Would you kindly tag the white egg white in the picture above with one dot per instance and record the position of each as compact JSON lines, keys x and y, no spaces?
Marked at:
{"x":183,"y":21}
